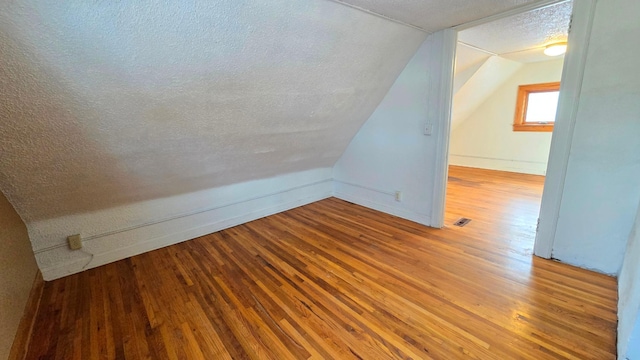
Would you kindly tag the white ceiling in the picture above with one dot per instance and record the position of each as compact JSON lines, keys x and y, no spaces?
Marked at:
{"x":522,"y":37}
{"x":434,"y":15}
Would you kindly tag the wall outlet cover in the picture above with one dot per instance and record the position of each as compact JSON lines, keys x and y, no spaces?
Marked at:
{"x":75,"y":242}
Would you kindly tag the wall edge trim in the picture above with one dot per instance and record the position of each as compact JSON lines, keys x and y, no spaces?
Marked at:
{"x":179,"y":216}
{"x":561,"y":141}
{"x":405,"y":214}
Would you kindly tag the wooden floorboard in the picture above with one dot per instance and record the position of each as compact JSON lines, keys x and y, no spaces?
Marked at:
{"x":335,"y":280}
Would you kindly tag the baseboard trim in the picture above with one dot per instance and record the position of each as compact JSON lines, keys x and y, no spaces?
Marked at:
{"x":117,"y":245}
{"x":161,"y":234}
{"x":25,"y":328}
{"x":405,"y":214}
{"x":526,"y":167}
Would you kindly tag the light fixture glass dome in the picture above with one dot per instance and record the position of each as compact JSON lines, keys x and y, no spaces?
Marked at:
{"x":556,"y":49}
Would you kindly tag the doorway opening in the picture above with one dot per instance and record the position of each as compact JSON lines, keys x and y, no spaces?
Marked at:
{"x":504,"y":104}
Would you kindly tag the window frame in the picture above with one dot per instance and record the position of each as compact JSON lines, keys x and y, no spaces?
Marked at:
{"x":519,"y":122}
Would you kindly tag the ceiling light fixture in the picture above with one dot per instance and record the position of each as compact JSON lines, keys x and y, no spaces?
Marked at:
{"x":555,"y":49}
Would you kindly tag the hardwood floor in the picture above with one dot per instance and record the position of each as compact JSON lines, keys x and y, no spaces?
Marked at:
{"x":335,"y":280}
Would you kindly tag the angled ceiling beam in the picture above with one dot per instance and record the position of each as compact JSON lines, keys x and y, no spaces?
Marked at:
{"x":381,"y":16}
{"x":477,"y":48}
{"x":505,"y":14}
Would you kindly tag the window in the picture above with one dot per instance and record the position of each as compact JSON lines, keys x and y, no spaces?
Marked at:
{"x":536,"y":107}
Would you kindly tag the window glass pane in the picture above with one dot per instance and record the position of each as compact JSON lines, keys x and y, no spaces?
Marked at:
{"x":541,"y":107}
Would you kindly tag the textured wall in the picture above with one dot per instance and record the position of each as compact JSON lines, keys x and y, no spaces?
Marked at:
{"x":601,"y":191}
{"x":17,"y":272}
{"x":486,"y":138}
{"x":109,"y":103}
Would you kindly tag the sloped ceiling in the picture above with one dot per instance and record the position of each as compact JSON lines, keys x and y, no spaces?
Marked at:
{"x":522,"y":37}
{"x":468,"y":61}
{"x":484,"y":82}
{"x":108,"y":103}
{"x":105,"y":103}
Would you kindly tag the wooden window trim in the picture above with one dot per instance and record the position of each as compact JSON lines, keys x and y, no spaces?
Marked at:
{"x":519,"y":122}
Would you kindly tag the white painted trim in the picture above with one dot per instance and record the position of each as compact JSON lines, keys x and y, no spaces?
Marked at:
{"x":366,"y":202}
{"x":381,"y":16}
{"x":175,"y":230}
{"x":505,"y":14}
{"x":88,"y":239}
{"x":477,"y":48}
{"x":510,"y":165}
{"x":365,"y":187}
{"x":442,"y":100}
{"x":570,"y":88}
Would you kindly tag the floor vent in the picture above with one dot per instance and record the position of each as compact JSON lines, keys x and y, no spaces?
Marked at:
{"x":462,"y":222}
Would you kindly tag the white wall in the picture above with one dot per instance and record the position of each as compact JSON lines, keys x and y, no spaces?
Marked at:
{"x":633,"y":351}
{"x":477,"y":89}
{"x":468,"y":61}
{"x":629,"y":291}
{"x":124,"y":231}
{"x":601,"y":191}
{"x":17,"y":272}
{"x":390,"y":152}
{"x":485,"y":139}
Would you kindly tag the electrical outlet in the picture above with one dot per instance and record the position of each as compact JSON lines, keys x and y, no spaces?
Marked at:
{"x":75,"y":242}
{"x":428,"y":129}
{"x":398,"y":195}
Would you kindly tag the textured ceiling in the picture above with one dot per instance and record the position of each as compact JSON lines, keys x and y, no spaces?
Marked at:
{"x":522,"y":37}
{"x":106,"y":103}
{"x":433,"y":15}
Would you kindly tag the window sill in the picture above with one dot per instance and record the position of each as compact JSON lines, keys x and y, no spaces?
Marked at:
{"x":533,"y":127}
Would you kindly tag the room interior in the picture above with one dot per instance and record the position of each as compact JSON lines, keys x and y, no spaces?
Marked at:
{"x":260,"y":179}
{"x":492,"y":60}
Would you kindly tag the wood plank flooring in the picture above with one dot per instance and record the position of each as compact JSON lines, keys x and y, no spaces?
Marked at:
{"x":333,"y":280}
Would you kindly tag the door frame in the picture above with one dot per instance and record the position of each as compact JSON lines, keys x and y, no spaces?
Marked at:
{"x":570,"y":88}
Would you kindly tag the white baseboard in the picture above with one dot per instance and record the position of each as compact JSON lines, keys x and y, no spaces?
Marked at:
{"x":108,"y":245}
{"x":525,"y":167}
{"x":377,"y":200}
{"x":109,"y":248}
